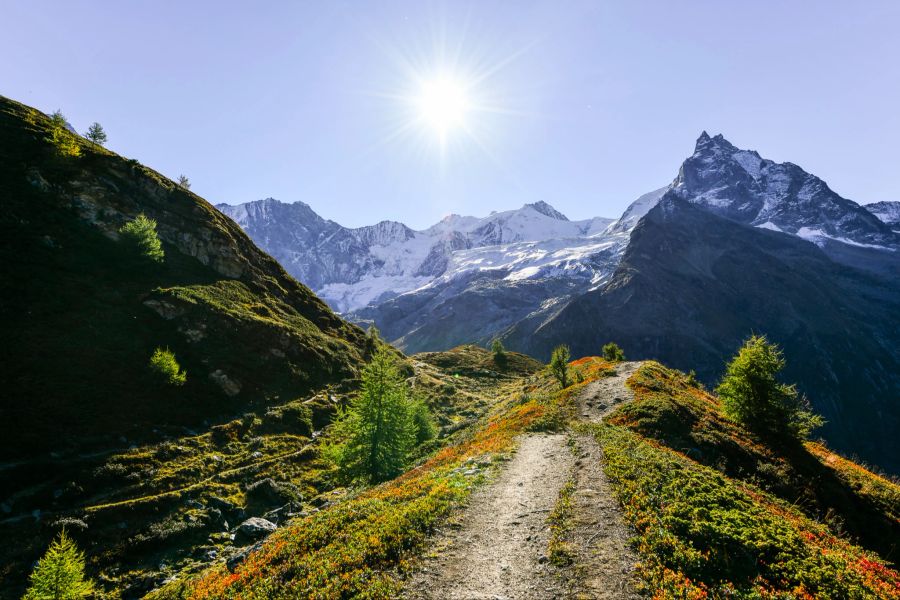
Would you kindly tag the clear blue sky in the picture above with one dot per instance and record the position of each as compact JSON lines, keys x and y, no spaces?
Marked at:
{"x":583,"y":104}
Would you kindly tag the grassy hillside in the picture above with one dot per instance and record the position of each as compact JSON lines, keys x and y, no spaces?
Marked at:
{"x":719,"y":513}
{"x":733,"y":529}
{"x":81,"y":315}
{"x":165,"y":509}
{"x":692,"y":286}
{"x":364,"y":545}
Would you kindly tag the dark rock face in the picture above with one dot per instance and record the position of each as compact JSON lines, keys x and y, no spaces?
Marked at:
{"x":742,"y":186}
{"x":693,"y":285}
{"x":887,"y":212}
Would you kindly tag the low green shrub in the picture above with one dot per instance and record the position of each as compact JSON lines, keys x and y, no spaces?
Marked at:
{"x":140,"y":236}
{"x":613,"y":353}
{"x":164,"y":364}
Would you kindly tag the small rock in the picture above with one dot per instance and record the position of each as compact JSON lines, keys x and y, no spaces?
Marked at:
{"x":231,"y":387}
{"x":268,"y":492}
{"x":70,"y":523}
{"x":253,"y":529}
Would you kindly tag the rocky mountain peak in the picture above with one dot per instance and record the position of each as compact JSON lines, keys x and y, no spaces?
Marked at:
{"x":716,"y":144}
{"x":547,"y":210}
{"x":887,"y":212}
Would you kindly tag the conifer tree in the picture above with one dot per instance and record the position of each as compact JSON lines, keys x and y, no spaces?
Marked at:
{"x":499,"y":352}
{"x":59,"y":575}
{"x":96,"y":134}
{"x":559,"y":365}
{"x":164,"y":364}
{"x":61,"y":137}
{"x":140,"y":234}
{"x":380,"y":427}
{"x":752,"y":396}
{"x":183,"y":182}
{"x":613,"y":353}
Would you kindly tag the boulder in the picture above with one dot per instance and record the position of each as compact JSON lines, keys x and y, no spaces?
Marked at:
{"x":253,"y":529}
{"x":270,"y":493}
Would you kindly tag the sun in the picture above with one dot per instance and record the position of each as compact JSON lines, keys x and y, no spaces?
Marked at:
{"x":443,"y":104}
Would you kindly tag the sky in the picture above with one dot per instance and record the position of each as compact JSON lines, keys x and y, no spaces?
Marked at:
{"x":585,"y":105}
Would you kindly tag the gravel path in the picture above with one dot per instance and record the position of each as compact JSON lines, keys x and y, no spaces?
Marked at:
{"x":499,"y":550}
{"x":496,"y":547}
{"x":602,"y":395}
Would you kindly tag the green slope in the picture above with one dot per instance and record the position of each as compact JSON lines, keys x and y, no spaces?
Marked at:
{"x":81,"y":317}
{"x":715,"y":512}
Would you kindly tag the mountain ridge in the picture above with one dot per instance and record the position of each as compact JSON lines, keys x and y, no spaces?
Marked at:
{"x":352,"y":267}
{"x":692,"y":285}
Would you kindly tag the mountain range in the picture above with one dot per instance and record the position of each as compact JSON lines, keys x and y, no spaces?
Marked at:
{"x":818,"y":273}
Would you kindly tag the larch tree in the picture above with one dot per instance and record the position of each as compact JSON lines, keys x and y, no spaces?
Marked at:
{"x":559,"y":365}
{"x":752,"y":395}
{"x":59,"y":575}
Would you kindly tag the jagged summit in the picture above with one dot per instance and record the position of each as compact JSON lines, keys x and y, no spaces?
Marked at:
{"x":745,"y":187}
{"x":887,"y":212}
{"x":716,"y":142}
{"x":545,"y":209}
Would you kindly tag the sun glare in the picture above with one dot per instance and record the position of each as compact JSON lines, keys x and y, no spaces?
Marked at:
{"x":443,"y":104}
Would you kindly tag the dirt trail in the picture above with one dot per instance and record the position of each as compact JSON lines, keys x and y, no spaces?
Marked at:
{"x":602,"y":395}
{"x":496,"y":548}
{"x":499,"y":550}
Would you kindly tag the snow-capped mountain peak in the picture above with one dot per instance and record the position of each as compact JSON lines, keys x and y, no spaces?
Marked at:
{"x":545,"y":209}
{"x":743,"y":186}
{"x":352,"y":267}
